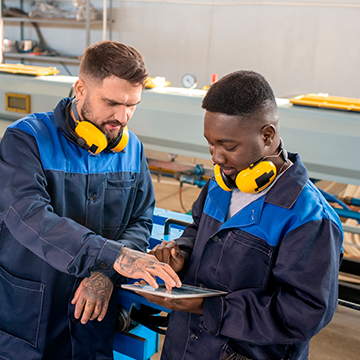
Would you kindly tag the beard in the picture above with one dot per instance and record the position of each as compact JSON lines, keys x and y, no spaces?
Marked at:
{"x":87,"y":115}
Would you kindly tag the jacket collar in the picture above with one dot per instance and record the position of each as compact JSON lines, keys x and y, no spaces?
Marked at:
{"x":289,"y":186}
{"x":60,"y":117}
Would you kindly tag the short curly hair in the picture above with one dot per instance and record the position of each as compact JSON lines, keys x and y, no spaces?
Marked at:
{"x":241,"y":93}
{"x":107,"y":58}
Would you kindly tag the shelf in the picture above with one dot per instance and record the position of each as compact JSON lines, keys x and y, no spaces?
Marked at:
{"x":21,"y":21}
{"x":53,"y":21}
{"x":24,"y":56}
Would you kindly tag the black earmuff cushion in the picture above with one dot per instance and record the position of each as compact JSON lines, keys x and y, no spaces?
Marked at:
{"x":228,"y":181}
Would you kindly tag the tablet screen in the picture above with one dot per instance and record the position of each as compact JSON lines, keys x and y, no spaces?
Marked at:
{"x":186,"y":291}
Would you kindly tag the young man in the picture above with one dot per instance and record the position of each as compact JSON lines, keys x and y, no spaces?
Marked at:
{"x":274,"y":245}
{"x":76,"y":203}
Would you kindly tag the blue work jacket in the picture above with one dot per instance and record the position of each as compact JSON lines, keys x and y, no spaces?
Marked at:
{"x":278,"y":258}
{"x":64,"y":212}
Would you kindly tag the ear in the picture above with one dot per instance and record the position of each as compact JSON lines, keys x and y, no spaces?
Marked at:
{"x":80,"y":89}
{"x":268,"y":134}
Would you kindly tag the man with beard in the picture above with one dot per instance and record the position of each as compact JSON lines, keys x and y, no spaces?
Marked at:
{"x":76,"y":204}
{"x":261,"y":232}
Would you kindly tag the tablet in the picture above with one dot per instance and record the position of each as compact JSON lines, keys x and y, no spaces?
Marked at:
{"x":186,"y":291}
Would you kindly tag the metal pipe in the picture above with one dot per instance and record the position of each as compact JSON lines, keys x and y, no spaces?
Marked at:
{"x":333,"y":198}
{"x":346,"y":212}
{"x":355,"y":202}
{"x":351,"y":229}
{"x":170,"y":221}
{"x":349,"y":304}
{"x":350,"y":214}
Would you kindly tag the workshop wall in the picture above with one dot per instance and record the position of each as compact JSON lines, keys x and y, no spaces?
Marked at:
{"x":300,"y":47}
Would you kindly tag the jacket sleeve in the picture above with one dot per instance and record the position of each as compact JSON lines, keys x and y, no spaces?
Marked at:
{"x":138,"y":229}
{"x":301,"y":299}
{"x":26,"y":211}
{"x":187,"y":240}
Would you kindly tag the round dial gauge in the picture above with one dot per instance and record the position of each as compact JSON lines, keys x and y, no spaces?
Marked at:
{"x":189,"y":81}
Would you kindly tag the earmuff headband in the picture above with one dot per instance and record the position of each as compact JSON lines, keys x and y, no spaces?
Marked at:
{"x":79,"y":141}
{"x":74,"y":109}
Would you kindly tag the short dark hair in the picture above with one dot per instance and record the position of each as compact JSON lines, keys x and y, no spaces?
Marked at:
{"x":107,"y":58}
{"x":240,"y":93}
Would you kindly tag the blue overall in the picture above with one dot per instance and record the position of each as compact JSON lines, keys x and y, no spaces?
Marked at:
{"x":64,"y":212}
{"x":278,"y":258}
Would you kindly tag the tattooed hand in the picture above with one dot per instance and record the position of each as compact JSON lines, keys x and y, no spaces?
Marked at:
{"x":92,"y":297}
{"x":137,"y":265}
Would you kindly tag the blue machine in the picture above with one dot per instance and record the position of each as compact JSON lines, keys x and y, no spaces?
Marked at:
{"x":134,"y":340}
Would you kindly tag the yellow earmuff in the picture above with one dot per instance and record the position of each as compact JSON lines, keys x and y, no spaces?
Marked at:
{"x":96,"y":140}
{"x":257,"y":177}
{"x":94,"y":137}
{"x":222,"y":180}
{"x":252,"y":180}
{"x":120,"y":145}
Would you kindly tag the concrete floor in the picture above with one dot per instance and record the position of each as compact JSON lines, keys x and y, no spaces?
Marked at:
{"x":339,"y":340}
{"x":167,"y":194}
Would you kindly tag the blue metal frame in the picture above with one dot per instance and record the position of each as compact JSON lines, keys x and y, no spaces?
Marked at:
{"x":140,"y":343}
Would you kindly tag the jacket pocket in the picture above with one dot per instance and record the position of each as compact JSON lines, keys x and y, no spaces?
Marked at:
{"x":118,"y":203}
{"x":21,"y":306}
{"x":245,"y":262}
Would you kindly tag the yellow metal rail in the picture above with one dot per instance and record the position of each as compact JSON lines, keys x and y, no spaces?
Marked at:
{"x":326,"y":101}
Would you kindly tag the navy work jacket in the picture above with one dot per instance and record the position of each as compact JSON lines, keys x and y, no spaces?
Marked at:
{"x":64,"y":212}
{"x":278,"y":258}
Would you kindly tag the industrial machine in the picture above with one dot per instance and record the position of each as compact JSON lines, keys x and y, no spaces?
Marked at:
{"x":170,"y":120}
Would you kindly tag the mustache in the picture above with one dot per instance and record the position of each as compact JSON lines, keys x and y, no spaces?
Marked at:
{"x":113,"y":122}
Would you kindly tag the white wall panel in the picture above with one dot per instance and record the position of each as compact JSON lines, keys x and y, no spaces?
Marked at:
{"x":300,"y":46}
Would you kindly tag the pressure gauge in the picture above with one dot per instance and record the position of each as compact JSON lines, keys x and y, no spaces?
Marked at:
{"x":189,"y":81}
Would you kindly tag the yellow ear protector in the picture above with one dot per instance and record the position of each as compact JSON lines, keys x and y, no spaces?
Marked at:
{"x":257,"y":177}
{"x":90,"y":137}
